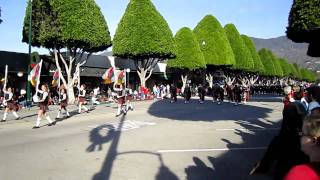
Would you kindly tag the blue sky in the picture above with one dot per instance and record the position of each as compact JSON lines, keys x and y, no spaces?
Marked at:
{"x":257,"y":18}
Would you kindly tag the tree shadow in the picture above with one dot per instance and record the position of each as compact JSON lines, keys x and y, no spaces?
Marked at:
{"x":206,"y":112}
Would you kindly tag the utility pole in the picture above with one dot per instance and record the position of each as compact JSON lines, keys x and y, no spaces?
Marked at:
{"x":30,"y":41}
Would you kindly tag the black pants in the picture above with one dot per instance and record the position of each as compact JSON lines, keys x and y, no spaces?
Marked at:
{"x":174,"y":97}
{"x":284,"y":151}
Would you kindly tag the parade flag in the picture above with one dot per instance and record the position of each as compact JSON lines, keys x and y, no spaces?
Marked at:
{"x":108,"y":76}
{"x":121,"y":77}
{"x":6,"y":76}
{"x":35,"y":74}
{"x":55,"y":78}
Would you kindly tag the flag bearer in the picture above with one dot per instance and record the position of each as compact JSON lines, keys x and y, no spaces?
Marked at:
{"x":9,"y":104}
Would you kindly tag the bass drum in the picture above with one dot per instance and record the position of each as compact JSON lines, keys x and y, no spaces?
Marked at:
{"x":35,"y":98}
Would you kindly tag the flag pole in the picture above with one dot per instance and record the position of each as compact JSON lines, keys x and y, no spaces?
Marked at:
{"x":59,"y":86}
{"x":5,"y":77}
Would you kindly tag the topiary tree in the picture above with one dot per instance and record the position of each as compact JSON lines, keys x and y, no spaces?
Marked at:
{"x":144,"y":36}
{"x":294,"y":74}
{"x":304,"y":24}
{"x":257,"y":64}
{"x":189,"y":55}
{"x":266,"y":59}
{"x":214,"y":42}
{"x":242,"y":54}
{"x":277,"y":66}
{"x":285,"y":66}
{"x":297,"y":69}
{"x":214,"y":45}
{"x":77,"y":26}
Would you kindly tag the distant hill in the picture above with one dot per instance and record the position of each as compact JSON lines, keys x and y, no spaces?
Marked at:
{"x":295,"y":52}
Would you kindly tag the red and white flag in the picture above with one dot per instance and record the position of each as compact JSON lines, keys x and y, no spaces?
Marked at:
{"x":108,"y":76}
{"x":55,"y":78}
{"x":34,"y":76}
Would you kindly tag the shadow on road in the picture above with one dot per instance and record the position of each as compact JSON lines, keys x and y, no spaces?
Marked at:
{"x":97,"y":140}
{"x":255,"y":131}
{"x":205,"y":112}
{"x":236,"y":163}
{"x":232,"y":164}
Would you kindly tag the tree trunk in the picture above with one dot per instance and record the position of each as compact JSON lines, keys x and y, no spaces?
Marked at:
{"x":142,"y":73}
{"x":71,"y":96}
{"x":68,"y":69}
{"x":184,"y":82}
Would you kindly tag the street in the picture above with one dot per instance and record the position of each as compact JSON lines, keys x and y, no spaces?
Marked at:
{"x":158,"y":140}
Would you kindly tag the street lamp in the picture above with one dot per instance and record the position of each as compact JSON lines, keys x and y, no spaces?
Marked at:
{"x":30,"y":41}
{"x":20,"y":74}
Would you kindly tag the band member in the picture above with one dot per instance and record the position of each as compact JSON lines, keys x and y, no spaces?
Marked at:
{"x":173,"y":91}
{"x":129,"y":97}
{"x":43,"y":106}
{"x":187,"y":94}
{"x":230,"y":94}
{"x":237,"y":94}
{"x":121,"y":99}
{"x":9,"y":104}
{"x":82,"y":98}
{"x":63,"y":102}
{"x":246,"y":94}
{"x":201,"y":92}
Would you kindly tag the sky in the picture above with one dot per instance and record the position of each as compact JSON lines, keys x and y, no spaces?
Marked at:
{"x":256,"y":18}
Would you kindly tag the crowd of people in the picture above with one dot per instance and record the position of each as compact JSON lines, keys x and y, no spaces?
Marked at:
{"x":294,"y":152}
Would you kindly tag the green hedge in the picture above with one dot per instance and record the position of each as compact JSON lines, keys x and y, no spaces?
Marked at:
{"x":189,"y":54}
{"x":143,"y":33}
{"x":242,"y":54}
{"x":214,"y":42}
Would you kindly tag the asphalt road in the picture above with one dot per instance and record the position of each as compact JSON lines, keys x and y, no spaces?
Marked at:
{"x":158,"y":140}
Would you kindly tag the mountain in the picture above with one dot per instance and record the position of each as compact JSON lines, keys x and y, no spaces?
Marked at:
{"x":285,"y":48}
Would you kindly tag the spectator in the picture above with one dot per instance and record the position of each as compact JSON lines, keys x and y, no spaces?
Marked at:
{"x":22,"y":98}
{"x":284,"y":149}
{"x":310,"y":144}
{"x":313,"y":98}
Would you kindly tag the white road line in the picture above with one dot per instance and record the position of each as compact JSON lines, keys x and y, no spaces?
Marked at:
{"x":244,"y":129}
{"x":210,"y":150}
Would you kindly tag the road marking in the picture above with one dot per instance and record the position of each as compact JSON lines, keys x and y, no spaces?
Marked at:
{"x":244,"y":129}
{"x":127,"y":125}
{"x":211,"y":150}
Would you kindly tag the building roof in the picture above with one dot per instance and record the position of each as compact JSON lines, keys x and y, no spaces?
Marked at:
{"x":17,"y":62}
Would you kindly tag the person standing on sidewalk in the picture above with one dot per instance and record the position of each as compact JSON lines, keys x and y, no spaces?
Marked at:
{"x":9,"y":104}
{"x":43,"y":106}
{"x":82,"y":98}
{"x":63,"y":102}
